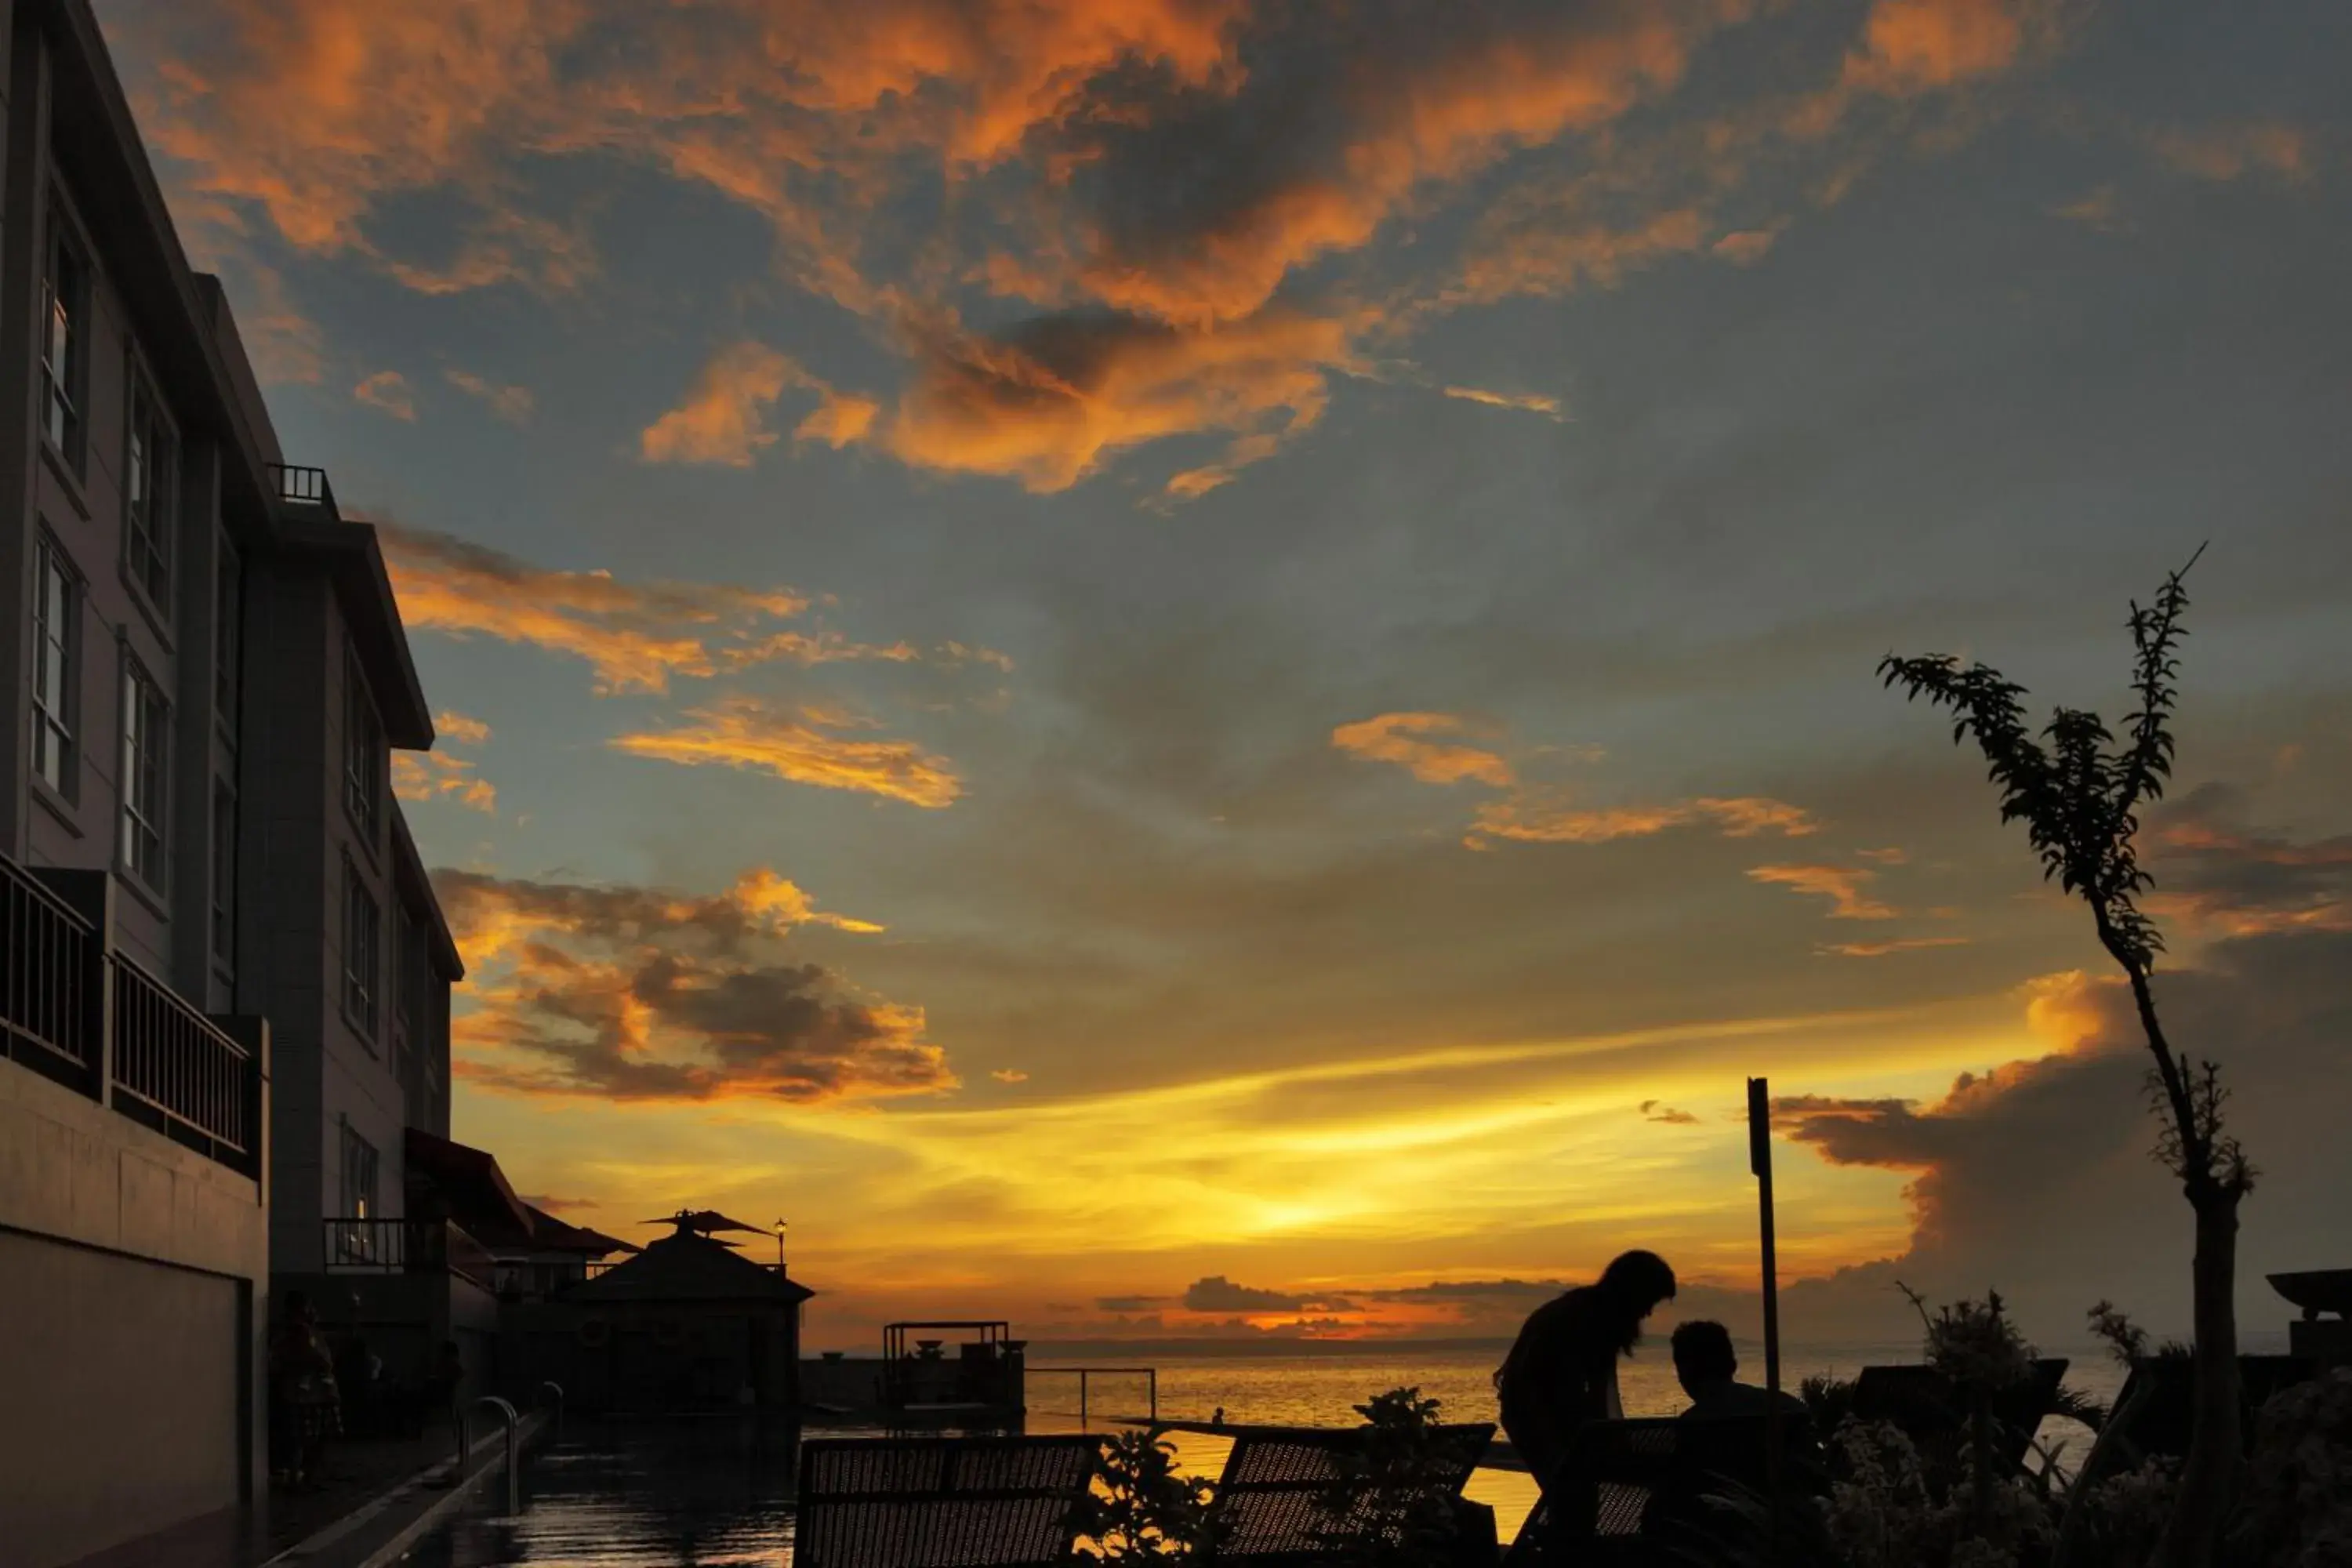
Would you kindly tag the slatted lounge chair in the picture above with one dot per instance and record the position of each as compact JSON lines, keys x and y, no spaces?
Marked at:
{"x":1622,"y":1479}
{"x":1271,"y":1509}
{"x":939,"y":1503}
{"x":2155,"y":1411}
{"x":1922,"y":1403}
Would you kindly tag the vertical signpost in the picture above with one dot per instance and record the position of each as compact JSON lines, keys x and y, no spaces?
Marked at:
{"x":1760,"y":1160}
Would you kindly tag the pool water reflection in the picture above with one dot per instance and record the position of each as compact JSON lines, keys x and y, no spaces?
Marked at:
{"x":712,"y":1492}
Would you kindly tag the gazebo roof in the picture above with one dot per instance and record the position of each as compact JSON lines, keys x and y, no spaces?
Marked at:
{"x":690,"y":1267}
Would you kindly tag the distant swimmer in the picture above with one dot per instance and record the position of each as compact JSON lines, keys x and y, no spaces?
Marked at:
{"x":1563,"y":1370}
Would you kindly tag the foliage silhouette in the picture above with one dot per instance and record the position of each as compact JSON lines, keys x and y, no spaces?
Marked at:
{"x":2080,"y":793}
{"x":1141,"y":1509}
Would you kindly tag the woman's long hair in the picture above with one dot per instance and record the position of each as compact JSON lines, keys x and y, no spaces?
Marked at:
{"x":1633,"y":1285}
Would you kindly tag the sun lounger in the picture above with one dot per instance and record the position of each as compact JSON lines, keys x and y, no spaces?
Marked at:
{"x":1921,"y":1403}
{"x":939,"y":1503}
{"x":1272,"y":1508}
{"x":1621,"y":1480}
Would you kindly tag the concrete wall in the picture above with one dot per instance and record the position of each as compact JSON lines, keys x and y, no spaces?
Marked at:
{"x":133,"y":1268}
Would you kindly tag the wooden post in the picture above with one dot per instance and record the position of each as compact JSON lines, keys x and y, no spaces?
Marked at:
{"x":1760,"y":1160}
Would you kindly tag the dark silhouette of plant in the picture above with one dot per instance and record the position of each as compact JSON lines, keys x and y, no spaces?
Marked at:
{"x":2125,"y":1340}
{"x":1829,"y":1400}
{"x":1140,"y":1508}
{"x":2079,"y":793}
{"x":1392,"y":1505}
{"x":1977,"y":1347}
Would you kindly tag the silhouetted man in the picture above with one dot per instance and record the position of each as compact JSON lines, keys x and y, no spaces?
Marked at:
{"x":1563,"y":1370}
{"x":1708,"y":1370}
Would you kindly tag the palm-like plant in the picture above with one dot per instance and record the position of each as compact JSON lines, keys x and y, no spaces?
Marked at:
{"x":2079,"y":793}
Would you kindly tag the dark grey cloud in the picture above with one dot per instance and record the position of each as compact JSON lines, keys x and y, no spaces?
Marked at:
{"x":2036,"y":1179}
{"x":1218,"y":1294}
{"x":642,"y":993}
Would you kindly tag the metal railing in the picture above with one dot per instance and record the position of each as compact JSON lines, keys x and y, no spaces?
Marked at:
{"x":76,"y":1010}
{"x":1150,"y":1374}
{"x":171,"y":1059}
{"x":404,"y":1247}
{"x":298,"y":486}
{"x":50,"y":1015}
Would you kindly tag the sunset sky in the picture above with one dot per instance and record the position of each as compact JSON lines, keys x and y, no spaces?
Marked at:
{"x":1179,"y":666}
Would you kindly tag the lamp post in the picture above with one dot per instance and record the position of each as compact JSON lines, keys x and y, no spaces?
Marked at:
{"x":1760,"y":1160}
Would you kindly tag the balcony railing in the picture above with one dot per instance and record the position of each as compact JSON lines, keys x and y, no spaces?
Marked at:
{"x":179,"y":1065}
{"x":50,"y":961}
{"x":355,"y":1245}
{"x":151,"y":1054}
{"x":297,"y":486}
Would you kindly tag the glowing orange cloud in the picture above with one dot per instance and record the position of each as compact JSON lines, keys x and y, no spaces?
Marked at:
{"x":637,"y":637}
{"x":1882,"y":949}
{"x":1841,"y":885}
{"x":1404,"y":739}
{"x":625,"y":994}
{"x":1047,"y":408}
{"x":388,"y":389}
{"x":1910,"y":45}
{"x":1532,"y":819}
{"x":511,"y":404}
{"x":799,"y":745}
{"x":438,"y":775}
{"x":724,"y":419}
{"x":454,"y":726}
{"x":1529,"y":402}
{"x":2231,"y":152}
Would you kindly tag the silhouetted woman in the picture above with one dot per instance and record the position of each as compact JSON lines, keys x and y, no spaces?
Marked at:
{"x":1563,"y":1370}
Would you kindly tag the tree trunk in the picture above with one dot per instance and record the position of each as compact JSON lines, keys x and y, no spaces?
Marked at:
{"x":2209,"y":1480}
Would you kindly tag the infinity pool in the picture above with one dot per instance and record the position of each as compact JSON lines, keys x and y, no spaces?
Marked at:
{"x":706,"y":1493}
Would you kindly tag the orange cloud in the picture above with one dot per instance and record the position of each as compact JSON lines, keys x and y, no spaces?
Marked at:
{"x":456,"y":726}
{"x":1534,"y":819}
{"x":799,"y":745}
{"x":1404,"y":739}
{"x":1913,"y":46}
{"x":388,"y":389}
{"x":438,"y":775}
{"x":723,"y":420}
{"x":511,"y":404}
{"x":1531,"y":403}
{"x":1882,"y":949}
{"x":1536,"y":254}
{"x":1045,"y":406}
{"x":1841,"y":885}
{"x":1746,"y":246}
{"x":2232,"y":151}
{"x":637,"y":637}
{"x":626,"y":993}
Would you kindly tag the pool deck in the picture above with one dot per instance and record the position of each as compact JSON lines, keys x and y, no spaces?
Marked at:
{"x":378,"y":1496}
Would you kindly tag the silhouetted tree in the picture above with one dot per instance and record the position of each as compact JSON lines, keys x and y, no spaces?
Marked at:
{"x":2079,"y":793}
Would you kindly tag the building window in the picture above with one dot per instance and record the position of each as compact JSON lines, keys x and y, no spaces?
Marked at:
{"x":356,"y":1241}
{"x":228,"y":637}
{"x":64,"y":339}
{"x":362,"y":925}
{"x":146,"y":768}
{"x":56,"y":625}
{"x":150,"y":488}
{"x":223,"y":891}
{"x":364,"y":762}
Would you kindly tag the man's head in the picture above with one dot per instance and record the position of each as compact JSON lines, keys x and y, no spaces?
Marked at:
{"x":1703,"y":1355}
